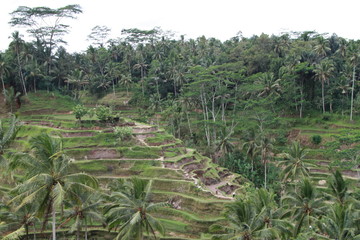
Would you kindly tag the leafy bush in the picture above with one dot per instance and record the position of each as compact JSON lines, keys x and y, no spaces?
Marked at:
{"x":103,"y":113}
{"x":316,"y":139}
{"x":123,"y":133}
{"x":80,"y":111}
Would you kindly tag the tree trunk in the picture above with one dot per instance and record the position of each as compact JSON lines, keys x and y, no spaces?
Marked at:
{"x":265,"y":175}
{"x":53,"y":222}
{"x":86,"y":230}
{"x":27,"y":231}
{"x":352,"y":95}
{"x":113,"y":87}
{"x":78,"y":232}
{"x":3,"y":84}
{"x":34,"y":231}
{"x":323,"y":96}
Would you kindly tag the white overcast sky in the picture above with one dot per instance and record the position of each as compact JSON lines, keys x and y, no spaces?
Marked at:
{"x":194,"y":18}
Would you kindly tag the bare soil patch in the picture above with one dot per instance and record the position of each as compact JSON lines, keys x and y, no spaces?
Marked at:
{"x":351,"y":173}
{"x":144,"y":129}
{"x":209,"y":181}
{"x":78,"y":134}
{"x":317,"y":170}
{"x":323,"y":163}
{"x":184,"y":161}
{"x":103,"y":154}
{"x":170,"y":165}
{"x":161,"y":143}
{"x":192,"y":166}
{"x":228,"y":189}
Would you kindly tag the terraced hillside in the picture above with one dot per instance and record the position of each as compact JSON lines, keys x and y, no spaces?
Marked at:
{"x":339,"y":149}
{"x":195,"y":187}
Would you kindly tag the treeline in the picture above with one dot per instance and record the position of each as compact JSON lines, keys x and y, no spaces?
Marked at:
{"x":204,"y":89}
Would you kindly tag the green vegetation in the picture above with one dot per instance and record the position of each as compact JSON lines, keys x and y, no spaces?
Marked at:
{"x":274,"y":120}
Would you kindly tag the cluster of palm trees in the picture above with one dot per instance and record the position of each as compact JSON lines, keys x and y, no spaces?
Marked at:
{"x":48,"y":191}
{"x":300,"y":211}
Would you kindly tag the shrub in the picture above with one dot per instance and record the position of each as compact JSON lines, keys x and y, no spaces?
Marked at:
{"x":80,"y":111}
{"x":123,"y":133}
{"x":103,"y":113}
{"x":316,"y":139}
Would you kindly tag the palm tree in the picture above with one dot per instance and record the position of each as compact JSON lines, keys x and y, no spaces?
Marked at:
{"x":338,"y":187}
{"x":130,"y":209}
{"x":250,"y":146}
{"x":126,"y":81}
{"x":78,"y":78}
{"x":354,"y":58}
{"x":245,"y":223}
{"x":83,"y":207}
{"x":7,"y":135}
{"x":295,"y":165}
{"x":265,"y":147}
{"x":270,"y":85}
{"x":323,"y":71}
{"x":17,"y":45}
{"x":48,"y":181}
{"x":4,"y":70}
{"x":10,"y":97}
{"x":341,"y":222}
{"x":304,"y":205}
{"x":321,"y":48}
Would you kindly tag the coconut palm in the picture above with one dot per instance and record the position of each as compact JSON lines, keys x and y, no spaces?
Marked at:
{"x":83,"y":208}
{"x":341,"y":222}
{"x":338,"y":187}
{"x":19,"y":221}
{"x":4,"y":70}
{"x":322,"y":47}
{"x":323,"y":72}
{"x":295,"y":164}
{"x":353,"y":59}
{"x":47,"y":181}
{"x":130,"y":210}
{"x":271,"y":86}
{"x":245,"y":223}
{"x":17,"y":44}
{"x":126,"y":81}
{"x":265,"y":146}
{"x":10,"y":97}
{"x":304,"y":205}
{"x":250,"y":146}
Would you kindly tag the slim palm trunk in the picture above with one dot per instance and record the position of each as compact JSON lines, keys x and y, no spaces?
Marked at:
{"x":352,"y":95}
{"x":53,"y":223}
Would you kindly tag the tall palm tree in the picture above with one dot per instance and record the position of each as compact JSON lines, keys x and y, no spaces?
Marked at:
{"x":323,"y":72}
{"x":271,"y":86}
{"x":304,"y":204}
{"x":322,"y":47}
{"x":295,"y":164}
{"x":354,"y":58}
{"x":48,"y":181}
{"x":265,"y":146}
{"x":250,"y":146}
{"x":126,"y":81}
{"x":4,"y":70}
{"x":130,"y":210}
{"x":17,"y":44}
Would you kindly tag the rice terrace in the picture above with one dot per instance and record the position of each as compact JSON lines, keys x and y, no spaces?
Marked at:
{"x":151,"y":135}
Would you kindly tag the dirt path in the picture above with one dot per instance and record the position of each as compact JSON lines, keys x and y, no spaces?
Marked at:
{"x":143,"y":131}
